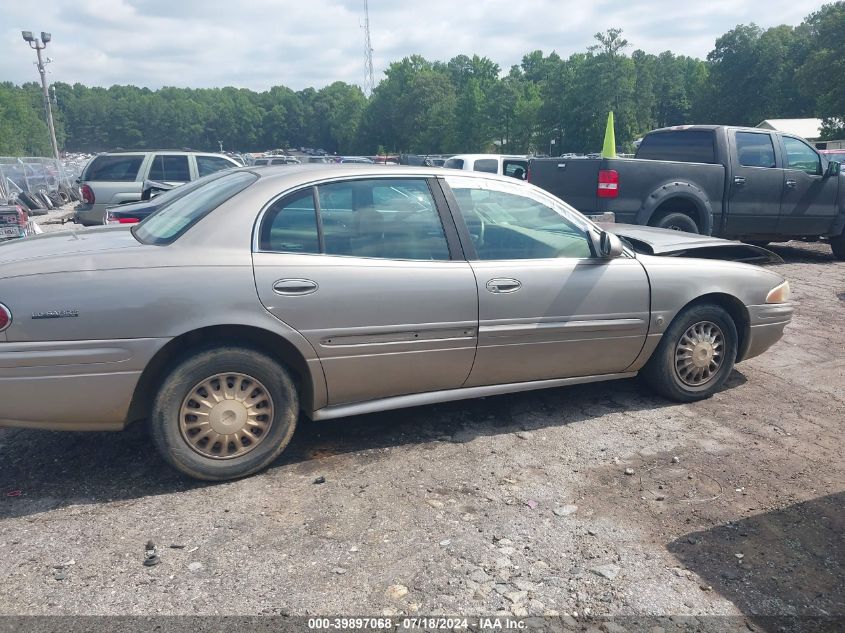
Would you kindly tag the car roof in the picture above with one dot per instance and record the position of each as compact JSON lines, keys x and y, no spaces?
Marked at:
{"x":478,"y":156}
{"x":186,"y":152}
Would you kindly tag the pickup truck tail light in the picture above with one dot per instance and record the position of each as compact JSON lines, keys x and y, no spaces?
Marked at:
{"x":608,"y":186}
{"x":87,"y":194}
{"x":5,"y":317}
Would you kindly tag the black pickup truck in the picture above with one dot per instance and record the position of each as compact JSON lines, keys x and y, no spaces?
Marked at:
{"x":749,"y":184}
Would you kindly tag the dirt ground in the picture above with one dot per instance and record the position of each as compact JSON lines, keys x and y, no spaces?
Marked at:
{"x":512,"y":505}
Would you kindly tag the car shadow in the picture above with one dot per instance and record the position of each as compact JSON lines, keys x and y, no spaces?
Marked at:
{"x":802,"y":253}
{"x":44,"y":470}
{"x":784,"y":569}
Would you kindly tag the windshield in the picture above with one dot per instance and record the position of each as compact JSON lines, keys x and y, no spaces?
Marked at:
{"x":170,"y":222}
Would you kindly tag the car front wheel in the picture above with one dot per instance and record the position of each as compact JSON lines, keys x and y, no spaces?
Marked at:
{"x":695,"y":356}
{"x":224,"y":413}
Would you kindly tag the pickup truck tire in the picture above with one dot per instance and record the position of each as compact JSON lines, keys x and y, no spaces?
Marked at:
{"x":224,"y":413}
{"x":837,"y":245}
{"x":695,"y":355}
{"x":677,"y":221}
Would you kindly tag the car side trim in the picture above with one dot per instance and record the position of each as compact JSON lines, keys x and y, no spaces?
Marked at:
{"x":434,"y":397}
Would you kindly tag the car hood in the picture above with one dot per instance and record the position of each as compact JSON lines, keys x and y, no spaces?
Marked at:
{"x":649,"y":240}
{"x":63,"y":250}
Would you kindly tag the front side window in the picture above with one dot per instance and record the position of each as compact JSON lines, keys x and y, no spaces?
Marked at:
{"x":170,"y":222}
{"x":507,"y":222}
{"x":169,"y":168}
{"x":755,"y":150}
{"x":801,"y":156}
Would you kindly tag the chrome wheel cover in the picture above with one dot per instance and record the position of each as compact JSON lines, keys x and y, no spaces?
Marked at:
{"x":226,"y":415}
{"x":699,"y":354}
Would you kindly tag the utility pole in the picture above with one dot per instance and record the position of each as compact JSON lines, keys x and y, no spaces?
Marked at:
{"x":40,"y":45}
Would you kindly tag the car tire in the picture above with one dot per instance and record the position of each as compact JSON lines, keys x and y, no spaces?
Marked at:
{"x":194,"y":401}
{"x":681,"y":368}
{"x":837,"y":245}
{"x":677,"y":221}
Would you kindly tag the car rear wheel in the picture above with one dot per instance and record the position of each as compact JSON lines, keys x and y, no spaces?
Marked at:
{"x":695,"y":356}
{"x":224,"y":413}
{"x":677,"y":221}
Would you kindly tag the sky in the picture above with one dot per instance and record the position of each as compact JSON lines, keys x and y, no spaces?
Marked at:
{"x":261,"y":43}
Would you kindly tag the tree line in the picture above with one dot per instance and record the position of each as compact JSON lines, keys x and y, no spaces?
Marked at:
{"x":467,"y":104}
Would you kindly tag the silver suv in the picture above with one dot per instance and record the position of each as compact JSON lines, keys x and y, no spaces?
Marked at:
{"x":116,"y":178}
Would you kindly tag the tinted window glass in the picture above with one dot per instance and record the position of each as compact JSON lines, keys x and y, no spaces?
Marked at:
{"x":801,"y":156}
{"x":290,"y":225}
{"x":755,"y":150}
{"x":114,"y":168}
{"x":209,"y":164}
{"x":454,"y":163}
{"x":169,"y":223}
{"x":508,"y":225}
{"x":393,"y":219}
{"x":688,"y":146}
{"x":489,"y":165}
{"x":169,"y":168}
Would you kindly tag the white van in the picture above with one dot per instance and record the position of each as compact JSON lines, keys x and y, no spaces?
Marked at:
{"x":504,"y":165}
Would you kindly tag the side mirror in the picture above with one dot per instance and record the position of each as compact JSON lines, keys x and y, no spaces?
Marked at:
{"x":610,"y":245}
{"x":833,"y":168}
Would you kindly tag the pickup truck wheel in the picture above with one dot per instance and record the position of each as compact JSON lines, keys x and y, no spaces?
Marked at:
{"x":224,"y":413}
{"x":695,"y":356}
{"x":837,"y":245}
{"x":677,"y":221}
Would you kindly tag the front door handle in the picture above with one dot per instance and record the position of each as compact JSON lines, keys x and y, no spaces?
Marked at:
{"x":289,"y":287}
{"x":739,"y":180}
{"x":790,"y":184}
{"x":503,"y":286}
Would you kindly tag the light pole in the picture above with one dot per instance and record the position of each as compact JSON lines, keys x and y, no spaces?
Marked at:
{"x":551,"y":145}
{"x":40,"y":45}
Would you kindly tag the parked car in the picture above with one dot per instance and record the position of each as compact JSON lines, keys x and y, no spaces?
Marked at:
{"x":283,"y":160}
{"x":834,"y":154}
{"x":14,"y":222}
{"x":356,"y":159}
{"x":117,"y":177}
{"x":514,"y":166}
{"x":742,"y":183}
{"x":216,"y":319}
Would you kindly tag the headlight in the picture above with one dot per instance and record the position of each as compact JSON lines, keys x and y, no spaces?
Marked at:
{"x":779,"y":294}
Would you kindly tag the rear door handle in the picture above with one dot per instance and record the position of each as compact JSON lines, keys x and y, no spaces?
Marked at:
{"x":790,"y":184}
{"x":739,"y":180}
{"x":503,"y":286}
{"x":289,"y":287}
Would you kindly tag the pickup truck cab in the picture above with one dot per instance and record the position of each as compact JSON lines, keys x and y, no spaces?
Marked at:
{"x":740,"y":183}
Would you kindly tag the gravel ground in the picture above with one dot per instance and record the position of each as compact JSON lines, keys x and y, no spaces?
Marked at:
{"x":594,"y":500}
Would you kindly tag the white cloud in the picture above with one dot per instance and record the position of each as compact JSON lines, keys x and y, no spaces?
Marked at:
{"x":259,"y":43}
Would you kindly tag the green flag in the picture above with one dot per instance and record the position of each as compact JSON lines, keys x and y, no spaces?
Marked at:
{"x":609,"y":149}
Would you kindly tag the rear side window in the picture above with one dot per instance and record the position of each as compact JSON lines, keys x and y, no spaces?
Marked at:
{"x":170,"y":168}
{"x":454,"y":163}
{"x":488,"y":165}
{"x":686,"y":146}
{"x":110,"y":168}
{"x":755,"y":150}
{"x":290,"y":225}
{"x":170,"y":222}
{"x":209,"y":164}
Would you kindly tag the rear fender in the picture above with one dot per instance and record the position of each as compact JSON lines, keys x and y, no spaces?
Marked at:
{"x":681,"y":191}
